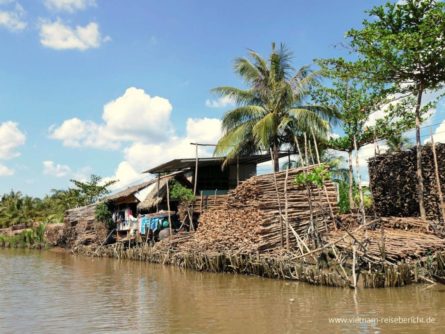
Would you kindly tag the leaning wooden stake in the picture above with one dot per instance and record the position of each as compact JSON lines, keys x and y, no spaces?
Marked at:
{"x":324,"y":185}
{"x":436,"y":172}
{"x":299,"y":152}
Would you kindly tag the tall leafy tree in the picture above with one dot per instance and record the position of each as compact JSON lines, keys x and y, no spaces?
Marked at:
{"x":354,"y":101}
{"x":273,"y":106}
{"x":403,"y":44}
{"x":93,"y":190}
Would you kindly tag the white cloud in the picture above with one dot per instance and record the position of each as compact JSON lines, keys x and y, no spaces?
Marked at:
{"x":69,"y":5}
{"x":222,"y":102}
{"x":5,"y":171}
{"x":125,"y":175}
{"x":59,"y":36}
{"x":439,"y":134}
{"x":10,"y":138}
{"x":135,"y":116}
{"x":143,"y":156}
{"x":52,"y":169}
{"x":144,"y":123}
{"x":12,"y":19}
{"x":77,"y":133}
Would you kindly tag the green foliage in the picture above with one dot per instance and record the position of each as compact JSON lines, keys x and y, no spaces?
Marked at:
{"x":16,"y":208}
{"x":273,"y":110}
{"x":397,"y":142}
{"x":29,"y":238}
{"x":104,"y":215}
{"x":180,"y":193}
{"x":91,"y":191}
{"x":316,"y":177}
{"x":403,"y":43}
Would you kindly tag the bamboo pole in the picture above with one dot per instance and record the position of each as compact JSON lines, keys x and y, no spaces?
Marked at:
{"x":157,"y":192}
{"x":299,"y":151}
{"x":357,"y":165}
{"x":168,"y":208}
{"x":278,"y":196}
{"x":196,"y":170}
{"x":436,"y":172}
{"x":354,"y":261}
{"x":286,"y":207}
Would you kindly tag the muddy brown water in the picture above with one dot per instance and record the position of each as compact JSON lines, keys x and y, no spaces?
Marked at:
{"x":55,"y":292}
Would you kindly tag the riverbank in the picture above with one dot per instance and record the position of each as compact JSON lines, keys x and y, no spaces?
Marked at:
{"x":321,"y":269}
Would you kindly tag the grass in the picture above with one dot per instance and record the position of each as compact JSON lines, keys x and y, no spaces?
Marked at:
{"x":29,"y":238}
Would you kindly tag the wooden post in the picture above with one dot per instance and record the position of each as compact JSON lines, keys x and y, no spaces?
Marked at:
{"x":286,"y":205}
{"x":196,"y":170}
{"x":305,"y":150}
{"x":168,"y":208}
{"x":436,"y":172}
{"x":354,"y":261}
{"x":362,"y":200}
{"x":157,"y":193}
{"x":237,"y":170}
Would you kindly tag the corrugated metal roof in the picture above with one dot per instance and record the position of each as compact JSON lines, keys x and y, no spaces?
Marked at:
{"x":181,"y":164}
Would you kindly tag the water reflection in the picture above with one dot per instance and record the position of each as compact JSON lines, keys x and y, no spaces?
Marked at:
{"x":52,"y":292}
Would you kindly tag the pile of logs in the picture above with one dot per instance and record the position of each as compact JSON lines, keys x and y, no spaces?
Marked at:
{"x":393,"y":182}
{"x":254,"y":214}
{"x":81,"y":227}
{"x":227,"y":230}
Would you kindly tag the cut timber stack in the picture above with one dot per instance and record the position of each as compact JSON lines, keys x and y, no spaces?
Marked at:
{"x":250,"y":218}
{"x":393,"y":182}
{"x":81,"y":227}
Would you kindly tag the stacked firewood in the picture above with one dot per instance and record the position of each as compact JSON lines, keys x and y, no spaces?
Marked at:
{"x":389,"y":238}
{"x":390,"y":244}
{"x":226,"y":230}
{"x":393,"y":182}
{"x":81,"y":227}
{"x":253,"y":217}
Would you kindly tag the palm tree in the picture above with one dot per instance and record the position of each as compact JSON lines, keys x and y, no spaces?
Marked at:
{"x":397,"y":143}
{"x":272,"y":110}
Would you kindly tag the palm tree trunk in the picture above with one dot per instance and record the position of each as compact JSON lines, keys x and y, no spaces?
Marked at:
{"x":351,"y":182}
{"x":420,"y":186}
{"x":276,"y":158}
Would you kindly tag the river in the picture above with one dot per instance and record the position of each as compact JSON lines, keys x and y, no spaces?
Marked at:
{"x":55,"y":292}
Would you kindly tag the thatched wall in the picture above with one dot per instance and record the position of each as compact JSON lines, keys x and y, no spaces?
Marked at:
{"x":393,"y":182}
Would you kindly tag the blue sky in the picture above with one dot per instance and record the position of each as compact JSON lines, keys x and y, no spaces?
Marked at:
{"x":74,"y":73}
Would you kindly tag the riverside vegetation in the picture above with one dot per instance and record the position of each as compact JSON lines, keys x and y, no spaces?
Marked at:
{"x":396,"y":56}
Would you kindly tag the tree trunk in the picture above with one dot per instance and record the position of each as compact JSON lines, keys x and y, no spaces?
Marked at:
{"x":420,"y":186}
{"x":276,"y":158}
{"x":351,"y":182}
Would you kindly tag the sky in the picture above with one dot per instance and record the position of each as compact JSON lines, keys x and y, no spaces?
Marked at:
{"x":114,"y":87}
